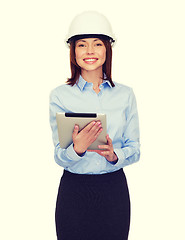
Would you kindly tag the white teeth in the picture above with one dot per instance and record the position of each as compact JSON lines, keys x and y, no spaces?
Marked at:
{"x":90,"y":60}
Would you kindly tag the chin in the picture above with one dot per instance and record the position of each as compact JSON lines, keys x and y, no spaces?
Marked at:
{"x":91,"y":68}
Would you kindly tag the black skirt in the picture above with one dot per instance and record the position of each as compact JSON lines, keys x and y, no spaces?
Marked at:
{"x":93,"y":207}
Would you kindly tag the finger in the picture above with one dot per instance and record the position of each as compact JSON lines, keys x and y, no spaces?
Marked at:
{"x":104,"y":146}
{"x":95,"y":128}
{"x":75,"y":131}
{"x":97,"y":133}
{"x":105,"y":153}
{"x":89,"y":126}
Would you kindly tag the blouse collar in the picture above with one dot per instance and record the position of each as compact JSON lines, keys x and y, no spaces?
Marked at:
{"x":81,"y":83}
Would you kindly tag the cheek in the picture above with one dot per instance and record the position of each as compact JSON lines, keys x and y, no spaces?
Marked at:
{"x":77,"y":54}
{"x":103,"y":54}
{"x":78,"y":57}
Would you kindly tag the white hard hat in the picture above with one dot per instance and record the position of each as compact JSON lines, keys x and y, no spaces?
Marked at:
{"x":89,"y":24}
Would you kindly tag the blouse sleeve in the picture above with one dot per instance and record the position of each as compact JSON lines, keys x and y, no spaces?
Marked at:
{"x":130,"y":152}
{"x":63,"y":157}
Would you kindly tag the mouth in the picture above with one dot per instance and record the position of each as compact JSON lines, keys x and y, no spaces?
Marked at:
{"x":90,"y":60}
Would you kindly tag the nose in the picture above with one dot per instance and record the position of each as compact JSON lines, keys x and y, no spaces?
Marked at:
{"x":90,"y":49}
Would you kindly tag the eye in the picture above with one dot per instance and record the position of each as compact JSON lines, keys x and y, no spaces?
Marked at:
{"x":99,"y":44}
{"x":81,"y":45}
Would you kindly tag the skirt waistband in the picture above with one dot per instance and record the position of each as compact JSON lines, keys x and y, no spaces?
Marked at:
{"x":105,"y":177}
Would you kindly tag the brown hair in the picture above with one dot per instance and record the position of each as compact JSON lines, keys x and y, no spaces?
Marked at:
{"x":76,"y":70}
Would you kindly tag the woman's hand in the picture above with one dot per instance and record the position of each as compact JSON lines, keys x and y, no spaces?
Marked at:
{"x":83,"y":139}
{"x":107,"y":151}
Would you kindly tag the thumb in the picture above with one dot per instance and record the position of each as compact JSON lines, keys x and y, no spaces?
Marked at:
{"x":75,"y":131}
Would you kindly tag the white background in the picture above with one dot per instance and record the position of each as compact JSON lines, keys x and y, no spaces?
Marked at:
{"x":149,"y":56}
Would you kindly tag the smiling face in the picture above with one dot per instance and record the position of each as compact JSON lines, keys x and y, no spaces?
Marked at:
{"x":90,"y":54}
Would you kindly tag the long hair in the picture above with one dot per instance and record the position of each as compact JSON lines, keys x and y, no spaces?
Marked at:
{"x":76,"y":70}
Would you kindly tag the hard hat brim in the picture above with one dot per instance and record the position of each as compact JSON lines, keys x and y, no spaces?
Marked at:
{"x":82,"y":36}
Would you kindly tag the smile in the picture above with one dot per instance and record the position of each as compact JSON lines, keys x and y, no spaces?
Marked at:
{"x":90,"y":60}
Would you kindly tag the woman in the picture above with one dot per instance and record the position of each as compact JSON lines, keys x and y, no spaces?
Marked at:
{"x":93,"y":199}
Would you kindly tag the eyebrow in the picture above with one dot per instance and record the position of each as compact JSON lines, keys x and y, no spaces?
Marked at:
{"x":80,"y":40}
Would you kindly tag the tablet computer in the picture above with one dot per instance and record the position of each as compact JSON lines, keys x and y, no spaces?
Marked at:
{"x":67,"y":121}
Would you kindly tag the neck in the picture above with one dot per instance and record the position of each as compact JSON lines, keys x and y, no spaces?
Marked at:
{"x":94,"y":77}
